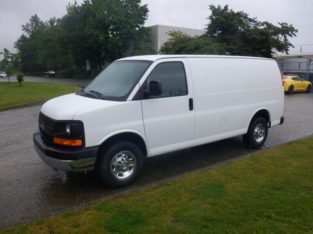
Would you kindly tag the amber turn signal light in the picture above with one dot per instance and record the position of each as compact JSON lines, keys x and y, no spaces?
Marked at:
{"x":67,"y":142}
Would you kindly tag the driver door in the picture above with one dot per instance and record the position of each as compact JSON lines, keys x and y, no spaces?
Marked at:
{"x":169,"y":117}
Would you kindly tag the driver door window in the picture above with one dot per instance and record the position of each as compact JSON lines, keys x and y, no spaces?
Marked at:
{"x":172,"y":78}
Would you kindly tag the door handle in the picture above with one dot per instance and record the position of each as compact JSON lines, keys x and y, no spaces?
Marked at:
{"x":190,"y":104}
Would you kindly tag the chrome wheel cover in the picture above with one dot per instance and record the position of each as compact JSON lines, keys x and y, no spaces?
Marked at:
{"x":123,"y":165}
{"x":259,"y":132}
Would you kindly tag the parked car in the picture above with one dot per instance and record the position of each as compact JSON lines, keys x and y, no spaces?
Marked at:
{"x":296,"y":84}
{"x":3,"y":74}
{"x":50,"y":73}
{"x":145,"y":106}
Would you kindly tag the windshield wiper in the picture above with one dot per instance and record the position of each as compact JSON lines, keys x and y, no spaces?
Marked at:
{"x":83,"y":92}
{"x":98,"y":94}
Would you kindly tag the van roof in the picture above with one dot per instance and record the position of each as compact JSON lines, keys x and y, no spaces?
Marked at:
{"x":158,"y":57}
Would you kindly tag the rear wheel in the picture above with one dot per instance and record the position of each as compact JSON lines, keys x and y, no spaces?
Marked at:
{"x":309,"y":89}
{"x":290,"y":89}
{"x":257,"y":133}
{"x":120,"y":164}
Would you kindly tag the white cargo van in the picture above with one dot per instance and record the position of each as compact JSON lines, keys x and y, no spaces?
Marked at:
{"x":145,"y":106}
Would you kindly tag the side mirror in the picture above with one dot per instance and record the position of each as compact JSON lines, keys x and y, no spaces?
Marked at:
{"x":154,"y":89}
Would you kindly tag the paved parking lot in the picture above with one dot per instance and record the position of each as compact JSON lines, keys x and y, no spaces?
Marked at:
{"x":29,"y":189}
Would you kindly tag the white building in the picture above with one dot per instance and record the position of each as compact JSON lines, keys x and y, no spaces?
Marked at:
{"x":160,"y":34}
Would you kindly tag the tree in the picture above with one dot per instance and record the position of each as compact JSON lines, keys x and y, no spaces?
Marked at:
{"x":103,"y":30}
{"x":242,"y":35}
{"x":35,"y":24}
{"x":10,"y":63}
{"x":235,"y":33}
{"x":181,"y":43}
{"x":30,"y":45}
{"x":97,"y":31}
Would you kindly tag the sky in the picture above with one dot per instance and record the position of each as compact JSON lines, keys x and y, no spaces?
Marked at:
{"x":182,"y":13}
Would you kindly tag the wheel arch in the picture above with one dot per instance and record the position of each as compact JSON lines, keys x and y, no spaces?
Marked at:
{"x":125,"y":135}
{"x":262,"y":112}
{"x":291,"y":86}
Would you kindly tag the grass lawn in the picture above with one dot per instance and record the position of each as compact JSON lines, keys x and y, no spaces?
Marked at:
{"x":269,"y":192}
{"x":12,"y":95}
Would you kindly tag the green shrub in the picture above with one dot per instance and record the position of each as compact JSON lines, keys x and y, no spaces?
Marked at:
{"x":20,"y":78}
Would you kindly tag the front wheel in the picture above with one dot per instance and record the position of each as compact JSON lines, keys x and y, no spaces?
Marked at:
{"x":257,"y":133}
{"x":120,"y":164}
{"x":290,"y":90}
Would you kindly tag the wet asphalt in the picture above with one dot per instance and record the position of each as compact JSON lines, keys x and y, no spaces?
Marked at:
{"x":29,"y":189}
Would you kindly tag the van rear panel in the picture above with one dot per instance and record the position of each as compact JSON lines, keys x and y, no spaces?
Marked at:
{"x":229,"y":91}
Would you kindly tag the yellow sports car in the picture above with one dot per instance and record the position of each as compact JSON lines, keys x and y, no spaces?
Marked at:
{"x":296,"y":84}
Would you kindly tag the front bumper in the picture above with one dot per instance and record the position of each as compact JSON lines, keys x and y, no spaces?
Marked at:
{"x":68,"y":160}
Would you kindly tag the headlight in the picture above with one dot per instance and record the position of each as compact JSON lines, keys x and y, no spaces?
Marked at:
{"x":74,"y":129}
{"x":69,"y":133}
{"x":68,"y":129}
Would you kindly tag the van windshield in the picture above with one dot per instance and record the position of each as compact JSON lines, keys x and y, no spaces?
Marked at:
{"x":117,"y":80}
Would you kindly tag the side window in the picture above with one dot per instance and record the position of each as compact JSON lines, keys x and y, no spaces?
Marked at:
{"x":172,"y":77}
{"x":296,"y":78}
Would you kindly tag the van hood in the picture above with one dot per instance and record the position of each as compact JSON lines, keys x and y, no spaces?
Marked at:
{"x":67,"y":106}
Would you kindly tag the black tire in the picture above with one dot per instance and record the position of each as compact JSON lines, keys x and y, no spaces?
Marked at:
{"x":290,"y":89}
{"x":257,"y":133}
{"x":112,"y":162}
{"x":309,"y":89}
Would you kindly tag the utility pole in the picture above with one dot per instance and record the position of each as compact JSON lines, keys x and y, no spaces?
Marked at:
{"x":309,"y":60}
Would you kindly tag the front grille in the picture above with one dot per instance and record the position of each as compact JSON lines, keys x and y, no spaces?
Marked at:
{"x":46,"y":127}
{"x":50,"y":128}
